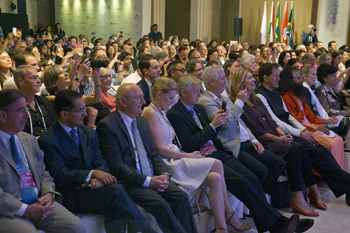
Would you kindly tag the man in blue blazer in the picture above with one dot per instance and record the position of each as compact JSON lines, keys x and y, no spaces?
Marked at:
{"x":73,"y":158}
{"x":127,"y":145}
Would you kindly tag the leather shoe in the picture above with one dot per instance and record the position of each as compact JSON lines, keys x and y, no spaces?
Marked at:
{"x":347,"y":199}
{"x":304,"y":225}
{"x":288,"y":226}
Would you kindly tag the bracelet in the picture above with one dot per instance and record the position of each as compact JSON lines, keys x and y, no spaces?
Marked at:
{"x":78,"y":80}
{"x":97,"y":85}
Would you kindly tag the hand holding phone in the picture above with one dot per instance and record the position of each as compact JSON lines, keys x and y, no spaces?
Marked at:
{"x":223,"y":106}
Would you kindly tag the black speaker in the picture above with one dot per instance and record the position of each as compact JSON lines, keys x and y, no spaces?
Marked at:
{"x":238,"y":26}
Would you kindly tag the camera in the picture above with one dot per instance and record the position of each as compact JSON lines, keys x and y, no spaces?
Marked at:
{"x":314,"y":29}
{"x":96,"y":63}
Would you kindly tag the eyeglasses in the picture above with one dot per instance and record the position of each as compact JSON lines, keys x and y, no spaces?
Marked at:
{"x":81,"y":111}
{"x":34,"y":77}
{"x":19,"y":110}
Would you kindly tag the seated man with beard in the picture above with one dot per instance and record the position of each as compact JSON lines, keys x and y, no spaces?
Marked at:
{"x":292,"y":90}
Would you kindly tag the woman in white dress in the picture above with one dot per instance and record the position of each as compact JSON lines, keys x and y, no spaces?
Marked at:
{"x":189,"y":170}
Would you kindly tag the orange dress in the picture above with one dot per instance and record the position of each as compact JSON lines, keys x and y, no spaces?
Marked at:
{"x":301,"y":111}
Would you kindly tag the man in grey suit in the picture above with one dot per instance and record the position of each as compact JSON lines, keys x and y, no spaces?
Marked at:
{"x":27,"y":191}
{"x":234,"y":135}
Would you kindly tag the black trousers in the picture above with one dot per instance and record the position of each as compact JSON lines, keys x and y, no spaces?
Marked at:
{"x":324,"y":163}
{"x":113,"y":203}
{"x":247,"y":188}
{"x":171,"y":208}
{"x":299,"y":165}
{"x":266,"y":166}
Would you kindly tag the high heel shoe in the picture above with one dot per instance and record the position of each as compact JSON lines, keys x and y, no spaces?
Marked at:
{"x":245,"y":227}
{"x":297,"y":209}
{"x":319,"y":205}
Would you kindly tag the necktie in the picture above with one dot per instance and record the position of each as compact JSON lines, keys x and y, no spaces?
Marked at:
{"x":27,"y":180}
{"x":195,"y":118}
{"x":74,"y":135}
{"x":146,"y":167}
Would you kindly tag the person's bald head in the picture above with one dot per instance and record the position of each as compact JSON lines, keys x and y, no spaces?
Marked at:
{"x":129,"y":99}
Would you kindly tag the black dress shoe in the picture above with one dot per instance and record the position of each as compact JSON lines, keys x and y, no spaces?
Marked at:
{"x":347,"y":198}
{"x":288,"y":226}
{"x":304,"y":225}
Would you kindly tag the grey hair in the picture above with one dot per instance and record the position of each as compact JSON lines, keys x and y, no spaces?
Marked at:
{"x":21,"y":72}
{"x":155,"y":49}
{"x":246,"y":58}
{"x":211,"y":72}
{"x":186,"y":81}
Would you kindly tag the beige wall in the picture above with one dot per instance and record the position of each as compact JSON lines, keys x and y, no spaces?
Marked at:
{"x":337,"y":32}
{"x":253,"y":10}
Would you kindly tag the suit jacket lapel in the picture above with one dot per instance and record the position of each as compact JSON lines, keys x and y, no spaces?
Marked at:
{"x":6,"y":154}
{"x":187,"y":114}
{"x":64,"y":138}
{"x":123,"y":128}
{"x":84,"y":147}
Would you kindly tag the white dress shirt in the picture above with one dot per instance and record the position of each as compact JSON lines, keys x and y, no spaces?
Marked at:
{"x":128,"y":121}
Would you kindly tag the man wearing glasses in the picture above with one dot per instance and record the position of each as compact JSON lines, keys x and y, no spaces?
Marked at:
{"x":27,"y":191}
{"x":41,"y":114}
{"x":73,"y":158}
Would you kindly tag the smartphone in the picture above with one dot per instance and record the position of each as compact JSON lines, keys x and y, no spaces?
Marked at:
{"x":243,"y":86}
{"x":223,"y":106}
{"x":14,"y":30}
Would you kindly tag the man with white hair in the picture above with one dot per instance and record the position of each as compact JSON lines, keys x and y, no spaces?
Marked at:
{"x":234,"y":135}
{"x":248,"y":61}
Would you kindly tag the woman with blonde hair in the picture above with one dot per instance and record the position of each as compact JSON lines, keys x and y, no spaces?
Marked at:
{"x":259,"y":121}
{"x":189,"y":170}
{"x":55,"y":79}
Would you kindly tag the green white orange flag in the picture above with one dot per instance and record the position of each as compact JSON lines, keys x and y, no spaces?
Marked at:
{"x":278,"y":23}
{"x":263,"y":27}
{"x":284,"y":25}
{"x":272,"y":24}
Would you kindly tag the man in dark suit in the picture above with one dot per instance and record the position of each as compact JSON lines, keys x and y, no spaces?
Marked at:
{"x":194,"y":130}
{"x":27,"y":191}
{"x":150,"y":70}
{"x":73,"y":158}
{"x":129,"y":150}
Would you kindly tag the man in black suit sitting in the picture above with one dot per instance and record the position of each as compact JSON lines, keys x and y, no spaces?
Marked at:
{"x":150,"y":69}
{"x":126,"y":143}
{"x":73,"y":158}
